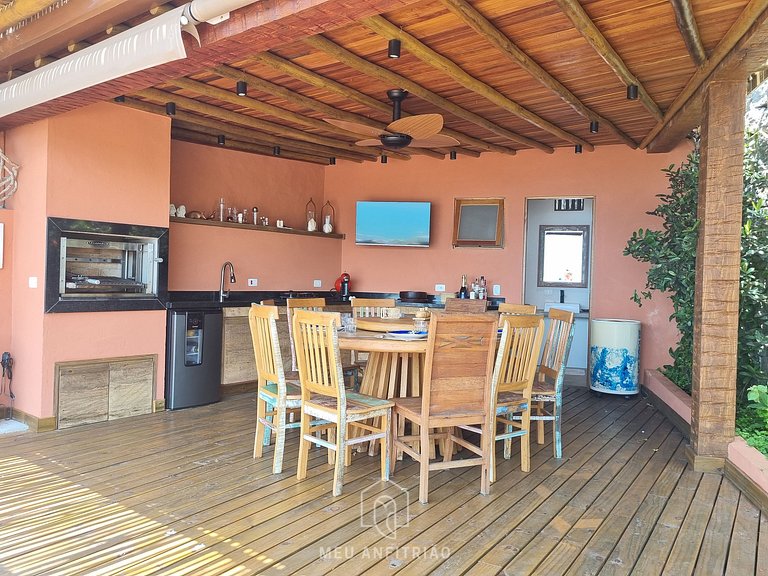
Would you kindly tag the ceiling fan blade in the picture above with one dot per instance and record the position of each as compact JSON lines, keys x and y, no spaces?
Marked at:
{"x":368,"y":142}
{"x":436,"y":141}
{"x":355,"y":128}
{"x":419,"y":126}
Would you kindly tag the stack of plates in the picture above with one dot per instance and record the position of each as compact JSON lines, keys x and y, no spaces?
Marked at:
{"x":405,"y":335}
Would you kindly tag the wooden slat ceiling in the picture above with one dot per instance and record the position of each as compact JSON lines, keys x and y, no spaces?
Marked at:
{"x":461,"y":59}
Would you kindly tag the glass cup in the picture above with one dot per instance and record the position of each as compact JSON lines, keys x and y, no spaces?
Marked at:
{"x":349,"y":324}
{"x":420,"y":324}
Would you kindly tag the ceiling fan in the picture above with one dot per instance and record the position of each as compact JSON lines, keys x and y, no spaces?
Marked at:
{"x":418,"y":131}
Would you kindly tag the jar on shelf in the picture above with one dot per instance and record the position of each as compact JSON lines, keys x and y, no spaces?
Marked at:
{"x":311,"y":222}
{"x":328,"y":216}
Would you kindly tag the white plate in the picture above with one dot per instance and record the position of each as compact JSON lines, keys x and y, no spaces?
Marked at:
{"x":405,"y":335}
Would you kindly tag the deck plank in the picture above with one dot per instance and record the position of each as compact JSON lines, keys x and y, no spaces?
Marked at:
{"x":178,"y":493}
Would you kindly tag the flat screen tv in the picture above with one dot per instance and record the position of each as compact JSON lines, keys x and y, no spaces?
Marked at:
{"x":393,"y":223}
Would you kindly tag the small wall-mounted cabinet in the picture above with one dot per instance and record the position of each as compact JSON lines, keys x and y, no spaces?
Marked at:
{"x":105,"y":389}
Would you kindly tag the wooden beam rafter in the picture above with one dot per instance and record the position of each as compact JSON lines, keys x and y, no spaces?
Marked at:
{"x":581,"y":20}
{"x":420,"y":50}
{"x":329,"y":111}
{"x":20,"y":10}
{"x":485,"y":28}
{"x":353,"y":61}
{"x":195,"y":122}
{"x":689,"y":30}
{"x":207,"y":139}
{"x":226,"y":96}
{"x":193,"y":105}
{"x":751,"y":23}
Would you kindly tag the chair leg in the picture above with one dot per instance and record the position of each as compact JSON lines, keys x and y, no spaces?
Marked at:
{"x":268,"y":429}
{"x":525,"y":443}
{"x":487,"y":442}
{"x":556,"y":427}
{"x":277,"y":461}
{"x":348,"y":449}
{"x":492,"y":456}
{"x":386,"y":446}
{"x":261,"y":410}
{"x":540,"y":423}
{"x":341,"y":452}
{"x":331,"y":437}
{"x":301,"y":468}
{"x":392,"y":439}
{"x":423,"y":451}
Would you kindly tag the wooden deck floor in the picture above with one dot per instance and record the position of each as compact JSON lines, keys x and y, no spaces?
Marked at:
{"x":178,"y":493}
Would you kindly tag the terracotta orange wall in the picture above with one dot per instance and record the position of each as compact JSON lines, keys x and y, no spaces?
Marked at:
{"x":6,"y":218}
{"x":102,"y":162}
{"x":623,"y":182}
{"x":28,"y":147}
{"x":200,"y":175}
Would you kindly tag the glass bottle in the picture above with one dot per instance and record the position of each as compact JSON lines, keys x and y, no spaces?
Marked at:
{"x":463,"y":292}
{"x":222,"y":213}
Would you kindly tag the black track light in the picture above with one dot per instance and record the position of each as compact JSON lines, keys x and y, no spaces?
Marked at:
{"x":242,"y":88}
{"x":332,"y":161}
{"x":633,"y":92}
{"x":222,"y":139}
{"x":594,"y":126}
{"x":393,"y":48}
{"x":170,"y":108}
{"x":577,"y":149}
{"x":383,"y":158}
{"x":452,"y":155}
{"x":276,"y":151}
{"x":119,"y":98}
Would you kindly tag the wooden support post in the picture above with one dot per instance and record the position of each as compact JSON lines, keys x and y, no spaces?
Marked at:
{"x":716,"y":314}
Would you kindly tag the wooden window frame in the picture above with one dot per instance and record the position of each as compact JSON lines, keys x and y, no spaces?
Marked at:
{"x":459,"y":204}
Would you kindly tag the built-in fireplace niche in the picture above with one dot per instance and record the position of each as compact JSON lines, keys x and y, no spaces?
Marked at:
{"x":105,"y":266}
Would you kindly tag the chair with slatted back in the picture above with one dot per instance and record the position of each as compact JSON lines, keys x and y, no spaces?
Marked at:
{"x":548,"y":388}
{"x":293,"y":304}
{"x":455,"y":393}
{"x":326,"y":405}
{"x":509,"y":308}
{"x":512,"y":383}
{"x":276,"y":397}
{"x":465,"y":306}
{"x":371,"y":307}
{"x":268,"y":302}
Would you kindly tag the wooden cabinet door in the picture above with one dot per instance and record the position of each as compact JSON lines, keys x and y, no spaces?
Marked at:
{"x":131,"y":387}
{"x":82,"y":394}
{"x":237,"y":361}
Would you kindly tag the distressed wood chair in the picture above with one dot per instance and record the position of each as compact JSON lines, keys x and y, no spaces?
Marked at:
{"x":508,"y":308}
{"x":548,"y":388}
{"x":456,"y":393}
{"x":370,"y":307}
{"x":512,"y":383}
{"x":268,"y":302}
{"x":326,"y":405}
{"x":465,"y":306}
{"x":275,"y":397}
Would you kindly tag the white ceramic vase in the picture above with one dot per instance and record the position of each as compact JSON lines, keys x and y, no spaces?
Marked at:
{"x":311,"y":225}
{"x":327,"y":227}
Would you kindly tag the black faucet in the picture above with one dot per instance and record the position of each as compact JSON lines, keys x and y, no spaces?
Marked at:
{"x":225,"y":293}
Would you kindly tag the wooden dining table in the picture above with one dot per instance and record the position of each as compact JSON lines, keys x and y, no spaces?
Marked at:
{"x":384,"y":324}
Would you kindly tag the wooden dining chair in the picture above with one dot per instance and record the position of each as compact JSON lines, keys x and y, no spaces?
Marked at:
{"x":370,"y":307}
{"x":455,"y":393}
{"x":276,"y":397}
{"x":509,"y":308}
{"x":548,"y":387}
{"x":268,"y":302}
{"x":465,"y":306}
{"x":326,"y":405}
{"x":293,"y":304}
{"x":512,"y":383}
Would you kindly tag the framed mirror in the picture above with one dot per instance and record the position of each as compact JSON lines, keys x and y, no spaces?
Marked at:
{"x":478,"y":222}
{"x":563,"y":256}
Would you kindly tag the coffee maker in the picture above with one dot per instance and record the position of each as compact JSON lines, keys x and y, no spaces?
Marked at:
{"x":342,"y":286}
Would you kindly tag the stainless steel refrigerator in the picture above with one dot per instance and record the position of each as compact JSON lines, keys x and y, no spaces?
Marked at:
{"x":193,"y":361}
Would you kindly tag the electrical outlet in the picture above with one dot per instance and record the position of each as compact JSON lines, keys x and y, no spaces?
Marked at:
{"x":317,"y":283}
{"x":439,"y":287}
{"x":497,"y":289}
{"x":253,"y":281}
{"x":33,"y":281}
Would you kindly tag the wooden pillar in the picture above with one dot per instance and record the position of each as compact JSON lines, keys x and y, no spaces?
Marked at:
{"x":716,"y":314}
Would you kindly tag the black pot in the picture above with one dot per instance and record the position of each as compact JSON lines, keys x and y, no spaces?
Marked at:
{"x":413,"y":296}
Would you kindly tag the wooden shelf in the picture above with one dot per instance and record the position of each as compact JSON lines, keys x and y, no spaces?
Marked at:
{"x":257,"y":227}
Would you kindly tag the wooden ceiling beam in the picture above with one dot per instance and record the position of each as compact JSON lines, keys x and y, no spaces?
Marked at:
{"x":192,"y":105}
{"x":584,"y":25}
{"x":689,"y":30}
{"x":362,"y":65}
{"x":192,"y":121}
{"x":21,"y":10}
{"x":485,"y":28}
{"x":207,"y":139}
{"x":743,"y":48}
{"x":322,"y":108}
{"x":421,"y":51}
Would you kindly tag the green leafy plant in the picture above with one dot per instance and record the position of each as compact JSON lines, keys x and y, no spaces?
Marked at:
{"x":671,"y":255}
{"x":758,"y":395}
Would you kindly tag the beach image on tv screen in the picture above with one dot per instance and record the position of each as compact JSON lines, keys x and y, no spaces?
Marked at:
{"x":393,"y":223}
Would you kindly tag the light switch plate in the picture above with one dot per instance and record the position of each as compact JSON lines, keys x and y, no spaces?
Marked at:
{"x":497,"y":289}
{"x":317,"y":283}
{"x":253,"y":281}
{"x":33,"y":281}
{"x":439,"y":287}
